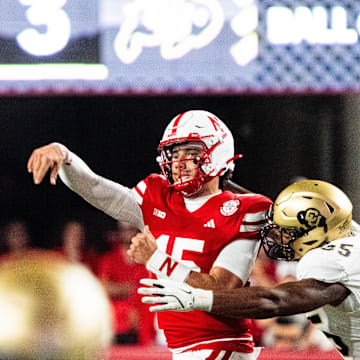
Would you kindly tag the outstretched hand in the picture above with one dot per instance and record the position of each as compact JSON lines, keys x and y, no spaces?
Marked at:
{"x":168,"y":294}
{"x":45,"y":158}
{"x":174,"y":295}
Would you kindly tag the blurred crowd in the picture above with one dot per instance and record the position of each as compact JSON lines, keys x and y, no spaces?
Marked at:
{"x":132,"y":322}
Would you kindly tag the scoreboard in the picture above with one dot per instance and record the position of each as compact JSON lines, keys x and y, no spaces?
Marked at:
{"x":179,"y":46}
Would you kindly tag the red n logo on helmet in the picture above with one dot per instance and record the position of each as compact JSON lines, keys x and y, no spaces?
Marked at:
{"x":217,"y":126}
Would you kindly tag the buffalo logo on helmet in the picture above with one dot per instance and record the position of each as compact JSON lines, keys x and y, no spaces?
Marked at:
{"x":312,"y":218}
{"x":229,"y":207}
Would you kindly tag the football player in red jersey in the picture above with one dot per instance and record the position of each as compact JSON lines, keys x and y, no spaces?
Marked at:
{"x":311,"y":223}
{"x":192,"y":230}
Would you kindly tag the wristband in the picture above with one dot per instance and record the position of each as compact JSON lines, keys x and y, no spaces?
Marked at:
{"x":203,"y":299}
{"x":164,"y":266}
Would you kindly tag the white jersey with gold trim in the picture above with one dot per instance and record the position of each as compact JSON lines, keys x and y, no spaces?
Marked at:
{"x":337,"y":262}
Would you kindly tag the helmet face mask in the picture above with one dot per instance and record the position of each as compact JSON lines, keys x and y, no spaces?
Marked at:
{"x":205,"y":130}
{"x":304,"y":216}
{"x":277,"y":241}
{"x":175,"y":168}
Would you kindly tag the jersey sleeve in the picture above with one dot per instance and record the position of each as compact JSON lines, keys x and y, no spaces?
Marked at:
{"x":142,"y":187}
{"x":139,"y":191}
{"x":322,"y":265}
{"x":255,"y":217}
{"x":336,"y":262}
{"x":239,"y":256}
{"x":145,"y":191}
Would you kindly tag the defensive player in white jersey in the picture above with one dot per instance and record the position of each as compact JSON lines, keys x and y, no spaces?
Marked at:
{"x":310,"y":221}
{"x":204,"y":236}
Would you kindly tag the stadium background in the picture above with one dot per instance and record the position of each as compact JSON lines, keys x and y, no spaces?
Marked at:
{"x":292,"y":106}
{"x":281,"y":137}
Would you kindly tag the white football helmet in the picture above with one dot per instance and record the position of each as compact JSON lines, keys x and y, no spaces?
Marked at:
{"x":217,"y":142}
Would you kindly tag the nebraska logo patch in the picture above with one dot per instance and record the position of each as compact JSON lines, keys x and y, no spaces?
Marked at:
{"x":229,"y":207}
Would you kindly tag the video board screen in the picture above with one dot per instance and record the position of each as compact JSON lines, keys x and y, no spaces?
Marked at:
{"x":179,"y":46}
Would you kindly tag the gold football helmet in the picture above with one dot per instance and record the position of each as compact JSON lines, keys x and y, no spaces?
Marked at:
{"x":304,"y":216}
{"x":51,"y":309}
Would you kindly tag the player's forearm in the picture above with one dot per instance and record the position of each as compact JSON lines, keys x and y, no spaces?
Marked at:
{"x":285,"y":299}
{"x":212,"y":282}
{"x":76,"y":175}
{"x":201,"y":280}
{"x":249,"y":302}
{"x":113,"y":199}
{"x":166,"y":267}
{"x":254,"y":302}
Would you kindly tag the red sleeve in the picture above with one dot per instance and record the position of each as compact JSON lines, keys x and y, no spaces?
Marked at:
{"x":255,"y":216}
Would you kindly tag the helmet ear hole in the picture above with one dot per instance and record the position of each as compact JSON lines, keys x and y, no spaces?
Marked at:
{"x":311,"y":242}
{"x":331,"y":209}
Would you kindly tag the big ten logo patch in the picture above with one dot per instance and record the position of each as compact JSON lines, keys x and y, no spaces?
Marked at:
{"x":159,"y":213}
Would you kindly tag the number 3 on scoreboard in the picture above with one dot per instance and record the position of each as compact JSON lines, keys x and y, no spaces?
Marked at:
{"x":50,"y":14}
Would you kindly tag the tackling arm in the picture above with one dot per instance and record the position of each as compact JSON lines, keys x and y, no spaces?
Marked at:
{"x":250,"y":302}
{"x":283,"y":300}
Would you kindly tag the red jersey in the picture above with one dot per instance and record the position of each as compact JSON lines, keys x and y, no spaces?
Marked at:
{"x":196,"y":239}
